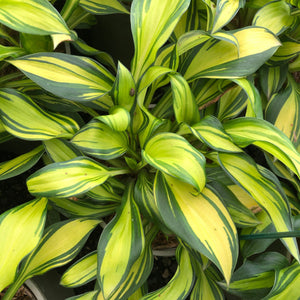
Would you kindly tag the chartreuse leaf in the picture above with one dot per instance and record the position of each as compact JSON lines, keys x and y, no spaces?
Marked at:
{"x":205,"y":288}
{"x":72,"y":208}
{"x":26,"y":120}
{"x":127,"y":231}
{"x":275,"y":16}
{"x":286,"y":284}
{"x":283,"y":111}
{"x":69,"y":178}
{"x":104,"y":193}
{"x":32,"y":16}
{"x":254,"y":107}
{"x":254,"y":279}
{"x":118,"y":118}
{"x":9,"y":51}
{"x":199,"y":219}
{"x":123,"y":90}
{"x":93,"y":295}
{"x":255,"y":46}
{"x":185,"y":107}
{"x":148,"y":35}
{"x":246,"y":131}
{"x":173,"y":155}
{"x":272,"y":78}
{"x":20,"y":164}
{"x":255,"y":246}
{"x":232,"y":103}
{"x":100,"y":141}
{"x":21,"y":229}
{"x":182,"y":281}
{"x":68,"y":76}
{"x":225,"y":11}
{"x":288,"y":51}
{"x":210,"y":131}
{"x":81,"y":272}
{"x":60,"y":150}
{"x":59,"y":245}
{"x":264,"y":187}
{"x":103,"y":7}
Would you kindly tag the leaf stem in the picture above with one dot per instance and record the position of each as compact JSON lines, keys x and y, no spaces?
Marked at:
{"x":271,"y":235}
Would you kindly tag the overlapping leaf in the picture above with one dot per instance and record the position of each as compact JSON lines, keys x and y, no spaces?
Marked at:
{"x":126,"y":231}
{"x":103,"y":7}
{"x":21,"y":229}
{"x":67,"y":76}
{"x":264,"y":187}
{"x":26,"y":120}
{"x":199,"y":219}
{"x":173,"y":155}
{"x":69,"y":178}
{"x":100,"y":141}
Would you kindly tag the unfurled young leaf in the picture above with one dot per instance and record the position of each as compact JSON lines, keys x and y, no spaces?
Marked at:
{"x":199,"y":219}
{"x":148,"y":35}
{"x":185,"y":107}
{"x":21,"y":229}
{"x":126,"y":231}
{"x":103,"y":7}
{"x":24,"y":119}
{"x":20,"y":164}
{"x":101,"y":141}
{"x":69,"y":178}
{"x":72,"y":77}
{"x":81,"y":272}
{"x":180,"y":284}
{"x":173,"y":155}
{"x":124,"y":90}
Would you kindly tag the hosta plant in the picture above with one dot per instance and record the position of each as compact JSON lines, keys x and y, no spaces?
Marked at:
{"x":198,"y":138}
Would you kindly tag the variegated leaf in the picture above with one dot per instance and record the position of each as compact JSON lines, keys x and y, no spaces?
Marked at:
{"x":9,"y":51}
{"x":26,"y":120}
{"x":20,"y":164}
{"x":272,"y":78}
{"x":173,"y":155}
{"x":254,"y":279}
{"x":69,"y":178}
{"x":68,"y":76}
{"x":288,"y":51}
{"x":127,"y":231}
{"x":59,"y":245}
{"x":103,"y":7}
{"x":104,"y":193}
{"x":81,"y":272}
{"x":60,"y":150}
{"x":185,"y":107}
{"x":283,"y":111}
{"x":118,"y":118}
{"x":225,"y":11}
{"x":147,"y":41}
{"x":246,"y":131}
{"x":232,"y":103}
{"x":199,"y":219}
{"x":210,"y":131}
{"x":74,"y":208}
{"x":101,"y":141}
{"x":180,"y":284}
{"x":255,"y":246}
{"x":264,"y":187}
{"x":286,"y":284}
{"x":124,"y":90}
{"x":21,"y":229}
{"x":275,"y":16}
{"x":255,"y":46}
{"x":93,"y":295}
{"x":32,"y":16}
